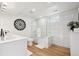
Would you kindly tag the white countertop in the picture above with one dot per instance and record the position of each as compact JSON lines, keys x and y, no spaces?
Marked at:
{"x":11,"y":37}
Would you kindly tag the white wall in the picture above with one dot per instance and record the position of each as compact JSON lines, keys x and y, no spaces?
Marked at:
{"x":7,"y":22}
{"x":59,"y":29}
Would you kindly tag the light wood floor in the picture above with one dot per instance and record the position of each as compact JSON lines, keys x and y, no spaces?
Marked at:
{"x":53,"y":50}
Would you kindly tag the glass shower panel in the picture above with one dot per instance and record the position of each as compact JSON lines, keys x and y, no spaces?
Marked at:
{"x":52,"y":25}
{"x":41,"y":27}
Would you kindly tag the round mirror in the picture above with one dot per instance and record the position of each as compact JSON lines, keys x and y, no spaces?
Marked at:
{"x":19,"y":24}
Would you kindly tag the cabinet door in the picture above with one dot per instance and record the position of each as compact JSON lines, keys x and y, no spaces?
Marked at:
{"x":74,"y":44}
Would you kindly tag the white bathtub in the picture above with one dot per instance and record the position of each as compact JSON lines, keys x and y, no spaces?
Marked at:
{"x":14,"y":45}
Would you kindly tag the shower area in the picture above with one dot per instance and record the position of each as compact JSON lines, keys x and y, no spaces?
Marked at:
{"x":53,"y":29}
{"x":44,"y":29}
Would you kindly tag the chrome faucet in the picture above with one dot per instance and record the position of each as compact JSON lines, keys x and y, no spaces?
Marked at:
{"x":2,"y":34}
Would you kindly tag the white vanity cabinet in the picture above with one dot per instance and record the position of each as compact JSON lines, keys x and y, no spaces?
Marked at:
{"x":14,"y":45}
{"x":74,"y":44}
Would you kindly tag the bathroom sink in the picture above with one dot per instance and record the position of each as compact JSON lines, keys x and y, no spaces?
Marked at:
{"x":11,"y":37}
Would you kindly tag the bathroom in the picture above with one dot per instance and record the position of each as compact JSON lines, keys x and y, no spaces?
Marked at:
{"x":46,"y":23}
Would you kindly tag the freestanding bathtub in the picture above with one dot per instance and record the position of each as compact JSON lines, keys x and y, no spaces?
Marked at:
{"x":14,"y":45}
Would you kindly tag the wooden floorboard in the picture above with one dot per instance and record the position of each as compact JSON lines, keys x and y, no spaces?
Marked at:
{"x":53,"y":50}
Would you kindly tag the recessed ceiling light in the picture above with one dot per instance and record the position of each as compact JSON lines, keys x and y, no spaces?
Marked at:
{"x":49,"y":4}
{"x":33,"y":10}
{"x":40,"y":16}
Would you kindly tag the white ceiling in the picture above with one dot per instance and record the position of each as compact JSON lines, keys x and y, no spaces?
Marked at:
{"x":42,"y":8}
{"x":61,"y":7}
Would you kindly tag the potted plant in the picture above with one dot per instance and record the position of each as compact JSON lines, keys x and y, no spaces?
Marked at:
{"x":73,"y":24}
